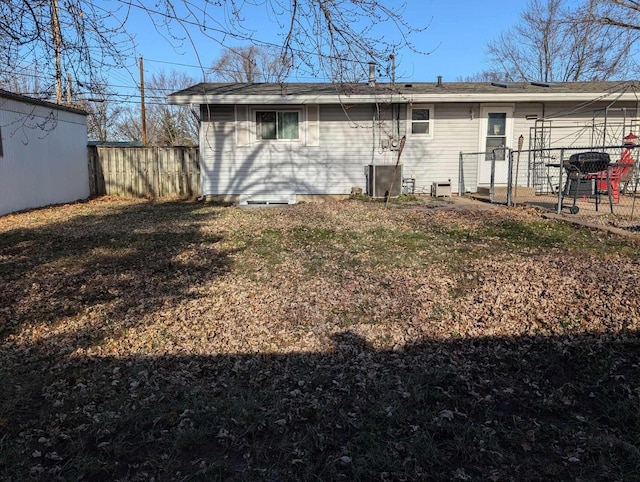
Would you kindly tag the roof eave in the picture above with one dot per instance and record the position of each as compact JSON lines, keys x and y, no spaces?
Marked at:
{"x":406,"y":97}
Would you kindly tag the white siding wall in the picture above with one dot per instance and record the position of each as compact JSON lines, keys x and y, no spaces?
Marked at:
{"x":330,"y":164}
{"x":584,"y":127}
{"x":44,"y":157}
{"x":350,"y":138}
{"x":437,"y":159}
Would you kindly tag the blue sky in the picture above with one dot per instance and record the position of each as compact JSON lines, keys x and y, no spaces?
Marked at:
{"x":456,"y":38}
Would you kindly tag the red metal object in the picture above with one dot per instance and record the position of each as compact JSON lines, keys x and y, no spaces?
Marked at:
{"x":616,"y":173}
{"x":630,"y":140}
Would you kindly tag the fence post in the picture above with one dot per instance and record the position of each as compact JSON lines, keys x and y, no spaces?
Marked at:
{"x":560,"y":188}
{"x":460,"y":174}
{"x":93,"y":188}
{"x":509,"y":176}
{"x":493,"y":176}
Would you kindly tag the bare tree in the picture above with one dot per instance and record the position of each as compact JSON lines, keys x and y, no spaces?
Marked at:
{"x":25,"y":81}
{"x":485,"y":76}
{"x":81,"y":37}
{"x":86,"y":37}
{"x":555,"y":42}
{"x":167,"y":125}
{"x":623,"y":14}
{"x":103,"y":119}
{"x":251,"y":64}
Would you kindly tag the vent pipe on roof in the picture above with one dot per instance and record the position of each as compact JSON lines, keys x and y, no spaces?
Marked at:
{"x":372,"y":74}
{"x":439,"y":81}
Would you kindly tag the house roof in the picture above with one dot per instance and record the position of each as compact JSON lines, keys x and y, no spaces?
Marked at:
{"x":427,"y":92}
{"x":30,"y":100}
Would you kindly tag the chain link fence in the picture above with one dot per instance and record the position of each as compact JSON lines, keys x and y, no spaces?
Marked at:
{"x":557,"y":179}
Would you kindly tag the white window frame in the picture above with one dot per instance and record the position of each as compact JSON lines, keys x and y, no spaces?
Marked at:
{"x":276,"y":109}
{"x":430,"y":122}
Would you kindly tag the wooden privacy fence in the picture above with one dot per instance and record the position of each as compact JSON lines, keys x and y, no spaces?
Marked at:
{"x":144,"y":171}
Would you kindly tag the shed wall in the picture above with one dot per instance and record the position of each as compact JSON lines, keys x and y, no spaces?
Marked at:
{"x":44,"y":159}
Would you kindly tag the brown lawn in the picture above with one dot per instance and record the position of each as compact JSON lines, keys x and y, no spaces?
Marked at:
{"x":182,"y":341}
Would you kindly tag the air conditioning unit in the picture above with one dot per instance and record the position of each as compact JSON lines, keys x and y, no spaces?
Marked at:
{"x":381,"y":178}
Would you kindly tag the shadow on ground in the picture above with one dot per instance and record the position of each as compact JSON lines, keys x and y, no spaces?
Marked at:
{"x":498,"y":409}
{"x":519,"y":408}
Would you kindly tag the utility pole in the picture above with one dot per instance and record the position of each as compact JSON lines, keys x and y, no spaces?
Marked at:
{"x":143,"y":113}
{"x":57,"y":45}
{"x":68,"y":89}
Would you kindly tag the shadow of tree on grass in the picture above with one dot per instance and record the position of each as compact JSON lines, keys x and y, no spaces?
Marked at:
{"x":130,"y":258}
{"x":512,"y":408}
{"x":498,"y":409}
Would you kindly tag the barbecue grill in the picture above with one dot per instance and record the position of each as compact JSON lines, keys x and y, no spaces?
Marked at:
{"x":582,"y":173}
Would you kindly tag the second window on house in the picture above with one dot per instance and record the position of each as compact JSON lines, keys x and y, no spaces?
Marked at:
{"x":421,"y":120}
{"x":278,"y":125}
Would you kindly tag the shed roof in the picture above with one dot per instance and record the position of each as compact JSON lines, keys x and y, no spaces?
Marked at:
{"x":328,"y":93}
{"x":30,"y":100}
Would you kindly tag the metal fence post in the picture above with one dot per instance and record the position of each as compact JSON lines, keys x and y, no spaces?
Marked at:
{"x":509,"y":176}
{"x":460,"y":174}
{"x":493,"y":176}
{"x":560,"y":189}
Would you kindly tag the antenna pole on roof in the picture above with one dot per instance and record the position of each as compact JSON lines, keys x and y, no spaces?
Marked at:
{"x":372,"y":74}
{"x":392,"y":57}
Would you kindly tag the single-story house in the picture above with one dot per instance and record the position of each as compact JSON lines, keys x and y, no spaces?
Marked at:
{"x":295,"y":141}
{"x":43,"y":153}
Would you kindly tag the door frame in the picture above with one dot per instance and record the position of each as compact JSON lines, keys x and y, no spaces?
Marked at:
{"x":484,"y":166}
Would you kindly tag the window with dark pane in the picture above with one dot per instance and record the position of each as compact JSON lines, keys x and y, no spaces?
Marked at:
{"x":420,"y":119}
{"x":496,"y":136}
{"x":288,"y":125}
{"x":277,"y":125}
{"x":266,"y":122}
{"x":497,"y":124}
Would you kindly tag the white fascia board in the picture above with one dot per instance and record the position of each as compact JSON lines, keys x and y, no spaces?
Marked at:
{"x":397,"y":98}
{"x":280,"y":100}
{"x":527,"y":97}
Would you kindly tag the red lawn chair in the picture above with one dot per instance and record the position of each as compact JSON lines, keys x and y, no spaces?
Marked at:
{"x":616,"y":174}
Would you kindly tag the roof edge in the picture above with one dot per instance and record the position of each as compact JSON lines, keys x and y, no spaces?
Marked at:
{"x":43,"y":103}
{"x":394,"y":98}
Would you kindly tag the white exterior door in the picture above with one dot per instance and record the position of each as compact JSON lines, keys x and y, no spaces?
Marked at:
{"x":496,"y":132}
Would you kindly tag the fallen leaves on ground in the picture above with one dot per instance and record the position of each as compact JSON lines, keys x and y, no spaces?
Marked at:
{"x":166,"y":341}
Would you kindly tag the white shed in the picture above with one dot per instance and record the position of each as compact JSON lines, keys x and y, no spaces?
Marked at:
{"x":43,"y":153}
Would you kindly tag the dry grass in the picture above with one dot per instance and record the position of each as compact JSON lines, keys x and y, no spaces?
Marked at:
{"x":181,"y":341}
